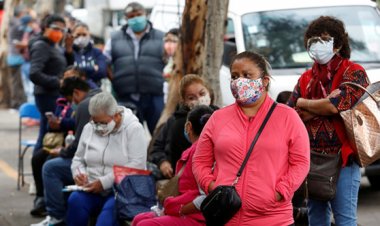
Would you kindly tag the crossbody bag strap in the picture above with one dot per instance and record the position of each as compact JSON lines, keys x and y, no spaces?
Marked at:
{"x":254,"y":142}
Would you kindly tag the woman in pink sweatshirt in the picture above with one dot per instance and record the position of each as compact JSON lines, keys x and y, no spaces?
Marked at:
{"x":279,"y":161}
{"x":183,"y":210}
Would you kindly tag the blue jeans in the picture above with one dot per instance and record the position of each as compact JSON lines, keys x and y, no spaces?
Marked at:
{"x":82,"y":205}
{"x":149,"y":108}
{"x":343,"y":206}
{"x":56,"y":174}
{"x":44,"y":103}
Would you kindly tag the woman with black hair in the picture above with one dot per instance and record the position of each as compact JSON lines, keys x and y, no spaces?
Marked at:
{"x":318,"y":97}
{"x":184,"y":208}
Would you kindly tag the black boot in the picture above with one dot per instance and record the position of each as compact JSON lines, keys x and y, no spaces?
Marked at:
{"x":39,"y":209}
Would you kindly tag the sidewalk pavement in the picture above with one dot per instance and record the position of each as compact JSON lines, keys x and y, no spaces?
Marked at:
{"x":14,"y":205}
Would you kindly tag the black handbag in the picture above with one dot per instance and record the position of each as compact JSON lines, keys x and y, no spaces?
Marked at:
{"x":323,"y":175}
{"x":224,"y":201}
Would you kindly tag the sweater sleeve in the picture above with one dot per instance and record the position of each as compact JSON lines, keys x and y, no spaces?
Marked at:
{"x":204,"y":159}
{"x":137,"y":146}
{"x":136,"y":152}
{"x":78,"y":160}
{"x":159,"y":151}
{"x":38,"y":59}
{"x":299,"y":157}
{"x":102,"y":64}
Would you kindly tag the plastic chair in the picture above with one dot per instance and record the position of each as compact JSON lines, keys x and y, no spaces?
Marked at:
{"x":26,"y":110}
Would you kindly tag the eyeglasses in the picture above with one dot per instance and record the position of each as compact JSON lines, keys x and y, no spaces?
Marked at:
{"x":58,"y":28}
{"x":316,"y":39}
{"x":98,"y":123}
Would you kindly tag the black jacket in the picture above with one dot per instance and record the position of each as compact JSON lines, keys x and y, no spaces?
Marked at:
{"x":47,"y":64}
{"x":82,"y":117}
{"x":171,"y":142}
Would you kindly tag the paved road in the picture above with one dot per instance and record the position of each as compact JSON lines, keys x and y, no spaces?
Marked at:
{"x":15,"y":205}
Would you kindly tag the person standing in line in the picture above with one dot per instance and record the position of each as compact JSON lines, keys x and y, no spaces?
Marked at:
{"x":88,"y":59}
{"x":137,"y":56}
{"x":280,"y":159}
{"x":47,"y":64}
{"x":15,"y":59}
{"x":318,"y":97}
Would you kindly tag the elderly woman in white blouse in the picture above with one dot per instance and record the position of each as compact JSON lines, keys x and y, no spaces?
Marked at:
{"x":114,"y":136}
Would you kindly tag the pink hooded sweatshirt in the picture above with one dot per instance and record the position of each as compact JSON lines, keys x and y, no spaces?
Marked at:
{"x":279,"y":162}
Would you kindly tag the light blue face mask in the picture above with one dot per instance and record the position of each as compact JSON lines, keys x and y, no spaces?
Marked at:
{"x":74,"y":106}
{"x":186,"y":135}
{"x":28,"y":29}
{"x":138,"y":23}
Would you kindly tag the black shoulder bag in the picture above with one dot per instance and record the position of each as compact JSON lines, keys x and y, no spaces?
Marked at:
{"x":224,"y":201}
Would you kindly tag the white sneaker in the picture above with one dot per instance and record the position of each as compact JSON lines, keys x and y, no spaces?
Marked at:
{"x":49,"y":221}
{"x":32,"y":188}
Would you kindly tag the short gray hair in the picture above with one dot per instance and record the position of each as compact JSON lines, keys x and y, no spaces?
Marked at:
{"x":102,"y":103}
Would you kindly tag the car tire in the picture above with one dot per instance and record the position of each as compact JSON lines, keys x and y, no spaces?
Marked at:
{"x":374,"y":181}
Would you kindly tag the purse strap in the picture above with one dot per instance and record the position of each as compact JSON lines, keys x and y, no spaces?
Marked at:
{"x":254,"y":142}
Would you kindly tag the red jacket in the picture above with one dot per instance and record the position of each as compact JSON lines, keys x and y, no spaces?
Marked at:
{"x":187,"y":186}
{"x":279,"y":162}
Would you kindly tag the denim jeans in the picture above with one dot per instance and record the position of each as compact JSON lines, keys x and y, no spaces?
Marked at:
{"x":149,"y":108}
{"x":343,"y":206}
{"x":44,"y":103}
{"x":56,"y":174}
{"x":82,"y":205}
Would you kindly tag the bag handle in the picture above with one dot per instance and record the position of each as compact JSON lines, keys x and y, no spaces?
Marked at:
{"x":254,"y":142}
{"x":181,"y":170}
{"x":362,"y":88}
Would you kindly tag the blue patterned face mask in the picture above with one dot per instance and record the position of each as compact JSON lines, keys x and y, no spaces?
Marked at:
{"x":138,"y":23}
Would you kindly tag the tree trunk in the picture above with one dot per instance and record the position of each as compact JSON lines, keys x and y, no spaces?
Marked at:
{"x":214,"y":45}
{"x":190,"y":52}
{"x":9,"y":6}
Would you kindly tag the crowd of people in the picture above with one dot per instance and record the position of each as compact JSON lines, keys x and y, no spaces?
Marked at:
{"x":202,"y":144}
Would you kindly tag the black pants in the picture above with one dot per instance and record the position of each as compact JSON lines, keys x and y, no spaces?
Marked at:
{"x":38,"y":160}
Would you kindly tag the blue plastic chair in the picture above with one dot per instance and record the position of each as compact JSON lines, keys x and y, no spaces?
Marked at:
{"x":26,"y":110}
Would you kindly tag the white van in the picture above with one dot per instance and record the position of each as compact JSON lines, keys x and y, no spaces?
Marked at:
{"x":276,"y":29}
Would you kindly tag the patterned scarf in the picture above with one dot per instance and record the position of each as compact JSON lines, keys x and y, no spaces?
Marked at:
{"x":322,"y":76}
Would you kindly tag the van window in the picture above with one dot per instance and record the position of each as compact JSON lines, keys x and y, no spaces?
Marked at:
{"x":230,"y":30}
{"x":229,"y":43}
{"x":278,"y":35}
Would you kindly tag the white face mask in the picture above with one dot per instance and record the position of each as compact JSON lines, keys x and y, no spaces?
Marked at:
{"x":104,"y":129}
{"x":322,"y":51}
{"x":203,"y":100}
{"x":82,"y":41}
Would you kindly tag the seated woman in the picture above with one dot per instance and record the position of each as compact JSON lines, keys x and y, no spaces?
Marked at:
{"x":188,"y":202}
{"x":61,"y":122}
{"x":170,"y":141}
{"x":114,"y":136}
